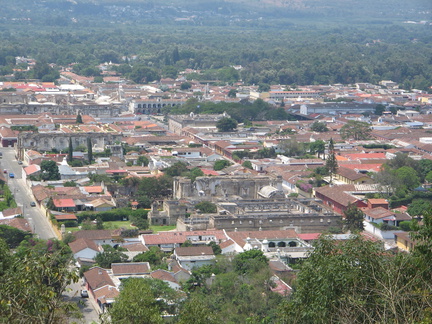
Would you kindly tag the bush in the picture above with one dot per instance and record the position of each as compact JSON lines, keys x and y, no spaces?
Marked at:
{"x":113,"y":215}
{"x":70,"y":223}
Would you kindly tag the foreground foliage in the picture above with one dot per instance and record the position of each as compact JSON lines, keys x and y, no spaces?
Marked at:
{"x":356,"y":281}
{"x":32,"y":282}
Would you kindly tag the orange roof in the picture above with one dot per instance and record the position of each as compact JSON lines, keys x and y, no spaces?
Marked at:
{"x":60,"y":203}
{"x":93,"y":189}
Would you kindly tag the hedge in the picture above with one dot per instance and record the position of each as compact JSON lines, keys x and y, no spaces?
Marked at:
{"x":113,"y":215}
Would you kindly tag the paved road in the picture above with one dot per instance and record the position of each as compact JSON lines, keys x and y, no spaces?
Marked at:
{"x":86,"y":305}
{"x":41,"y":227}
{"x":23,"y":195}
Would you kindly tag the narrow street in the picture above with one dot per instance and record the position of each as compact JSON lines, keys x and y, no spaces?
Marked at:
{"x":23,"y":195}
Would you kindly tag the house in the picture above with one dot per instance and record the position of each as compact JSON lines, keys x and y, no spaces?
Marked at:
{"x":167,"y":241}
{"x":194,"y":256}
{"x":8,"y":137}
{"x":101,"y":204}
{"x":375,"y":203}
{"x":31,"y":170}
{"x":379,"y":222}
{"x":100,"y":237}
{"x":350,"y":176}
{"x":100,"y":287}
{"x":19,"y":223}
{"x":337,"y":198}
{"x":132,"y":269}
{"x":404,"y":241}
{"x":11,"y":213}
{"x":65,"y":204}
{"x":167,"y":277}
{"x":280,"y":243}
{"x":84,"y":250}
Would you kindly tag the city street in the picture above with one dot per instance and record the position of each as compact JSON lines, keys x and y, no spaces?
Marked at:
{"x":23,"y":195}
{"x":41,"y":227}
{"x":86,"y":305}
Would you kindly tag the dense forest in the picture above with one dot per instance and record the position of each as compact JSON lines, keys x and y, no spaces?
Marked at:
{"x":151,"y":41}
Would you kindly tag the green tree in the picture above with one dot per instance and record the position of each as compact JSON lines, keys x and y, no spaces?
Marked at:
{"x":108,"y":256}
{"x":247,"y":164}
{"x":317,"y":147}
{"x":13,"y":236}
{"x":292,"y":147}
{"x":408,"y":177}
{"x":79,"y":119}
{"x":155,"y":256}
{"x":140,"y":222}
{"x":206,"y":207}
{"x":49,"y":170}
{"x":355,"y":130}
{"x":177,"y":169}
{"x":135,"y":304}
{"x":70,"y":150}
{"x":33,"y":283}
{"x":215,"y":247}
{"x":354,"y":281}
{"x":221,"y":164}
{"x":353,"y":221}
{"x":70,"y":184}
{"x":196,"y":311}
{"x":379,"y":109}
{"x":185,"y":86}
{"x":99,"y":223}
{"x":249,"y":261}
{"x":232,"y":93}
{"x":419,"y":207}
{"x":226,"y":124}
{"x":89,"y":150}
{"x":331,"y":162}
{"x":319,"y":127}
{"x":143,"y":160}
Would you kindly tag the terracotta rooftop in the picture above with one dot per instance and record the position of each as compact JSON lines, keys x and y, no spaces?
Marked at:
{"x":163,"y":275}
{"x":132,"y":268}
{"x":240,"y":237}
{"x":19,"y":223}
{"x":179,"y":237}
{"x":97,"y":277}
{"x":81,"y":244}
{"x":194,"y":250}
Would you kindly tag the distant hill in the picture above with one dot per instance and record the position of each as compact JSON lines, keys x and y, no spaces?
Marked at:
{"x":344,"y":10}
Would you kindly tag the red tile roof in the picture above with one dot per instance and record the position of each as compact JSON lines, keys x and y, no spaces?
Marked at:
{"x":65,"y":217}
{"x":63,"y":203}
{"x":132,"y":268}
{"x":81,"y":244}
{"x":98,"y":277}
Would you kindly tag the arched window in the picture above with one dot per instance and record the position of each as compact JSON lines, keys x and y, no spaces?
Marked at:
{"x":292,"y":244}
{"x":281,"y":244}
{"x":272,"y":244}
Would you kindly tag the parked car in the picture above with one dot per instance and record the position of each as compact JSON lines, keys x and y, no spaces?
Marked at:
{"x":84,"y":293}
{"x":11,"y":175}
{"x":20,"y":162}
{"x":33,"y":204}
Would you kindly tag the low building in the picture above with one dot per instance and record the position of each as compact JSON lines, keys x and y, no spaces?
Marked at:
{"x":194,"y":256}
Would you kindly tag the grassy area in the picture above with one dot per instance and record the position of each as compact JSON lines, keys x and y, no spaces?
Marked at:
{"x":107,"y":225}
{"x":156,"y":229}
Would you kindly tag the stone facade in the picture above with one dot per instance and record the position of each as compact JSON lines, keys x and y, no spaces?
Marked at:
{"x":177,"y":122}
{"x":60,"y":141}
{"x":278,"y":215}
{"x":13,"y":104}
{"x":153,"y":106}
{"x":242,"y":186}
